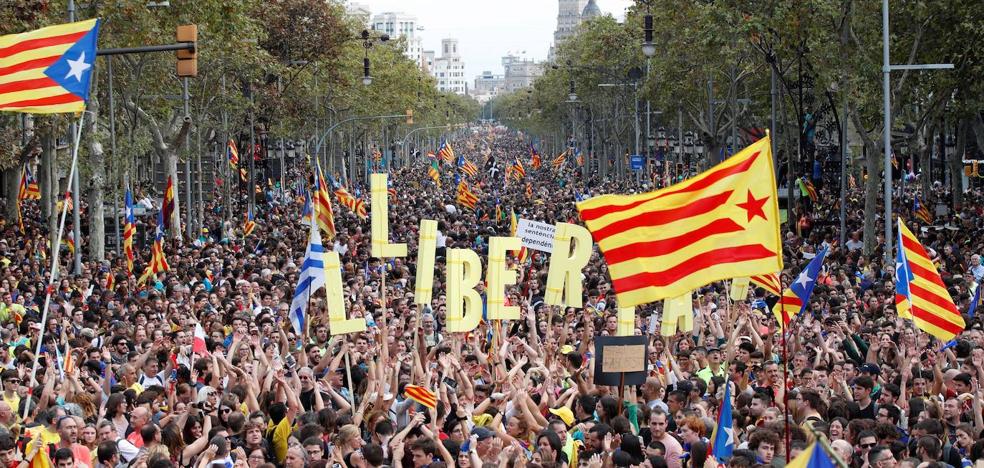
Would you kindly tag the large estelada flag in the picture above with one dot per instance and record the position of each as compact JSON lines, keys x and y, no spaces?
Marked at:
{"x":723,"y":223}
{"x":930,"y":304}
{"x":47,"y":71}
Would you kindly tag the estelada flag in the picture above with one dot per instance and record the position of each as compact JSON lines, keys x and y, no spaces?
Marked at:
{"x":769,"y":282}
{"x":722,"y":224}
{"x":48,"y":70}
{"x":931,"y":306}
{"x":422,"y":395}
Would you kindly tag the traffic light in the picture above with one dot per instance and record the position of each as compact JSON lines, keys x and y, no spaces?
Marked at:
{"x":188,"y":59}
{"x":409,"y":116}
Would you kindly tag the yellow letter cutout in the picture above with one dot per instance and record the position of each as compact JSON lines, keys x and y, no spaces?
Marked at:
{"x":564,"y":277}
{"x":678,"y":315}
{"x":337,"y":321}
{"x":464,"y":304}
{"x":499,"y":277}
{"x":381,"y":247}
{"x":626,"y":322}
{"x":426,"y":248}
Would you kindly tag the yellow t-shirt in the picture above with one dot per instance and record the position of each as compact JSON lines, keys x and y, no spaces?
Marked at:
{"x":281,"y":433}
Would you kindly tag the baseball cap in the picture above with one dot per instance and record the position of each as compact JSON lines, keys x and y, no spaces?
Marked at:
{"x":564,"y":413}
{"x":870,"y":368}
{"x":481,"y":432}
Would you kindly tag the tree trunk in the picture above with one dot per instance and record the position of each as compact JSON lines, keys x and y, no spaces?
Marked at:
{"x":97,"y":185}
{"x":955,"y":163}
{"x":925,"y":158}
{"x":49,"y":182}
{"x":873,"y":163}
{"x":11,"y":182}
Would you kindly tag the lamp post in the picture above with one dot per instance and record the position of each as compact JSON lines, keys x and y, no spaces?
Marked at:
{"x":367,"y":43}
{"x":648,"y":47}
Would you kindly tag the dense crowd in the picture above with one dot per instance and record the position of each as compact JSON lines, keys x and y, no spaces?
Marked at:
{"x":118,"y":383}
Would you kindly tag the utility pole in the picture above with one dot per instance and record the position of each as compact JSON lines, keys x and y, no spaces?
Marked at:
{"x":188,"y":189}
{"x":112,"y":148}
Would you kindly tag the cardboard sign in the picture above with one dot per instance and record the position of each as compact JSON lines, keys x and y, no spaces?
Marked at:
{"x":616,"y":356}
{"x":536,"y":235}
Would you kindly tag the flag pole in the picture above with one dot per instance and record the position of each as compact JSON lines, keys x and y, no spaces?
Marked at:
{"x":54,"y":262}
{"x":785,"y":369}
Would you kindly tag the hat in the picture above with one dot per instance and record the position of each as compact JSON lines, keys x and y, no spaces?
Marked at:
{"x":870,"y":368}
{"x":482,"y":420}
{"x":713,"y":349}
{"x":481,"y":432}
{"x":204,"y":393}
{"x":565,"y":414}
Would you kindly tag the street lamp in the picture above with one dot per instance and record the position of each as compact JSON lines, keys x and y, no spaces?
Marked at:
{"x":648,"y":47}
{"x":367,"y":42}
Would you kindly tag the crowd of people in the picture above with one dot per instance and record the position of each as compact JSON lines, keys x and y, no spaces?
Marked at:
{"x":118,"y":383}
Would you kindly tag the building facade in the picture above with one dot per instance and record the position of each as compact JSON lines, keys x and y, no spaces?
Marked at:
{"x":568,"y":19}
{"x":487,"y":86}
{"x":402,"y":26}
{"x":519,"y":72}
{"x":449,"y":68}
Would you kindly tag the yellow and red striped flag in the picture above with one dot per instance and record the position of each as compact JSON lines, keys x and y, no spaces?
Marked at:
{"x":129,"y":230}
{"x":70,"y":242}
{"x":250,"y":224}
{"x":931,"y":306}
{"x":445,"y":152}
{"x":465,"y":196}
{"x":232,"y":153}
{"x":322,"y":205}
{"x":421,"y":395}
{"x":48,"y":70}
{"x":560,"y":159}
{"x":722,"y":224}
{"x":518,"y":171}
{"x":167,"y":206}
{"x":769,"y":282}
{"x":522,"y":254}
{"x":158,"y":261}
{"x":921,"y":212}
{"x":534,"y":157}
{"x":110,"y":281}
{"x":29,"y":189}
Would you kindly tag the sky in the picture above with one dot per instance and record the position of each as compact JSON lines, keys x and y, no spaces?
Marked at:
{"x":487,"y":29}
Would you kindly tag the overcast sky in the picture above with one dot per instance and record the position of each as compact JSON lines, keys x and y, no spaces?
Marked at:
{"x":487,"y":29}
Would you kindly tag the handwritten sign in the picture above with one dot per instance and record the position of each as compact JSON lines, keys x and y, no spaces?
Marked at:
{"x":536,"y":235}
{"x":624,"y":359}
{"x":618,"y":358}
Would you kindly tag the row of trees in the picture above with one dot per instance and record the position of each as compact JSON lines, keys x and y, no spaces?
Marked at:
{"x":290,"y":67}
{"x":714,"y":64}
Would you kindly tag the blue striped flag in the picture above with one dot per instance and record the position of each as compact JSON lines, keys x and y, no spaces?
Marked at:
{"x":312,"y":278}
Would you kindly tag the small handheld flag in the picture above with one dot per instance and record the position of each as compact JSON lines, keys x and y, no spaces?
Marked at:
{"x":921,"y":212}
{"x":933,"y":310}
{"x":723,"y":439}
{"x":421,"y":395}
{"x":232,"y":153}
{"x":796,"y":297}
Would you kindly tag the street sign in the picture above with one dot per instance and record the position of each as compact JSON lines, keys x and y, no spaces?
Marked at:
{"x":637,"y":162}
